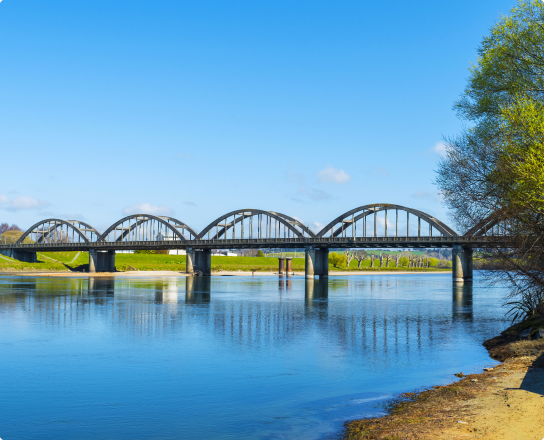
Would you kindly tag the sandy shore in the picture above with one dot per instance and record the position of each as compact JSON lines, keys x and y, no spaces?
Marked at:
{"x":167,"y":273}
{"x":505,"y":402}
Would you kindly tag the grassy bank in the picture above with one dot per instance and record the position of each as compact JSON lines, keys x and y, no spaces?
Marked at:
{"x":78,"y":261}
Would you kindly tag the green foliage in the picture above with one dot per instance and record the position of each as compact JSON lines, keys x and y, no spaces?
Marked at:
{"x":144,"y":251}
{"x":260,"y":253}
{"x":337,"y":260}
{"x":10,"y":237}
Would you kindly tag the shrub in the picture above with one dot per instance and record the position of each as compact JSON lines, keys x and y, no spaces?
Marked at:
{"x":260,"y":253}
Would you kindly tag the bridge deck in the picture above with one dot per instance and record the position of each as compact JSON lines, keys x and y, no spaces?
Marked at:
{"x":325,"y":242}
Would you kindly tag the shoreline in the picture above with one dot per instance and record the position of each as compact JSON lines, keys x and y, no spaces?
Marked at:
{"x":162,"y":273}
{"x":505,"y":401}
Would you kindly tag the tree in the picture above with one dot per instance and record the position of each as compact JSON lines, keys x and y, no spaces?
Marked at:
{"x":11,"y":236}
{"x":495,"y":167}
{"x":337,"y":259}
{"x":4,"y":227}
{"x":260,"y":253}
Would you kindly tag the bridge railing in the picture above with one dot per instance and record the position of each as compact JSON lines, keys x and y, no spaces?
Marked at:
{"x":263,"y":242}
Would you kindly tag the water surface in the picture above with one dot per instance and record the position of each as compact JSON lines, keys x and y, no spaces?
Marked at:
{"x":228,"y":357}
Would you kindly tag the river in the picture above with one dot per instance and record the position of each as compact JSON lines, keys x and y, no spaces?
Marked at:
{"x":228,"y":357}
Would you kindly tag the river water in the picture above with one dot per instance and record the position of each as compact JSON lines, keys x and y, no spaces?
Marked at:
{"x":228,"y":357}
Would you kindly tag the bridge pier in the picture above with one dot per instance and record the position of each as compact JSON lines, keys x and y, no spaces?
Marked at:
{"x":24,"y":256}
{"x":202,"y":261}
{"x":189,"y":261}
{"x":101,"y":261}
{"x":317,"y":262}
{"x":288,"y":266}
{"x":281,"y":265}
{"x":462,"y":266}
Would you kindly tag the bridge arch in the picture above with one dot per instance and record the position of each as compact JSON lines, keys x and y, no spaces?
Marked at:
{"x":491,"y":224}
{"x":269,"y":225}
{"x":57,"y":230}
{"x":147,"y":227}
{"x":340,"y":225}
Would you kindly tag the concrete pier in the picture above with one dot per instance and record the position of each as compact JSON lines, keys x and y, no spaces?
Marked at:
{"x":190,"y":261}
{"x":203,"y":262}
{"x":317,"y":262}
{"x":462,"y":266}
{"x":101,"y":261}
{"x":24,"y":256}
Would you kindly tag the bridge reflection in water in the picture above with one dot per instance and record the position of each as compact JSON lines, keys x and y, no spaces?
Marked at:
{"x":369,"y":314}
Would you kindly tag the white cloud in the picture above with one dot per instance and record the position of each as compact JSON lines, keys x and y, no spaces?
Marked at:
{"x":333,"y":175}
{"x":317,"y":226}
{"x":439,"y":148}
{"x":21,"y":203}
{"x":146,"y":208}
{"x":427,"y":195}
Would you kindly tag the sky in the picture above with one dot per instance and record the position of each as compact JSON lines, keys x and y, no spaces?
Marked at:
{"x":194,"y":109}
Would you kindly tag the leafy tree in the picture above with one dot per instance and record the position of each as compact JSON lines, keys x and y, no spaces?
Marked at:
{"x":496,"y":166}
{"x":337,"y":259}
{"x":11,"y":236}
{"x":260,"y":253}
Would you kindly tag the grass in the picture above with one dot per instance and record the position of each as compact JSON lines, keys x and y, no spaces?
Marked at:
{"x":66,"y":261}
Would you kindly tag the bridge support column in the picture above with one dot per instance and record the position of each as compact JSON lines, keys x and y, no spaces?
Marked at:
{"x":288,"y":266}
{"x":281,"y":265}
{"x":101,"y":261}
{"x":203,"y":262}
{"x":189,"y":261}
{"x":24,"y":256}
{"x":317,"y":263}
{"x":92,"y":260}
{"x":462,"y":266}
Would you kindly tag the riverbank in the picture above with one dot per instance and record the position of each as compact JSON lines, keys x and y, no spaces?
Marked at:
{"x":504,"y":402}
{"x":163,"y":273}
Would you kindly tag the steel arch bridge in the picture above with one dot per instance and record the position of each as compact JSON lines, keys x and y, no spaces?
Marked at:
{"x":379,"y":225}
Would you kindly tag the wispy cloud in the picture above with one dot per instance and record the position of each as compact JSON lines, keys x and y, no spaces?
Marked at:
{"x":147,"y":208}
{"x":427,"y":195}
{"x":382,"y":171}
{"x":317,"y":226}
{"x":315,"y":194}
{"x":333,"y":175}
{"x":184,"y":156}
{"x":439,"y":148}
{"x":21,"y":203}
{"x":194,"y":205}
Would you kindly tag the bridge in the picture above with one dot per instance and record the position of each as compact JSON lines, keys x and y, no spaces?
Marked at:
{"x":378,"y":225}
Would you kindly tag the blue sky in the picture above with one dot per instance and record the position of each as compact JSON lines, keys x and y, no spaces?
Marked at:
{"x":193,"y":109}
